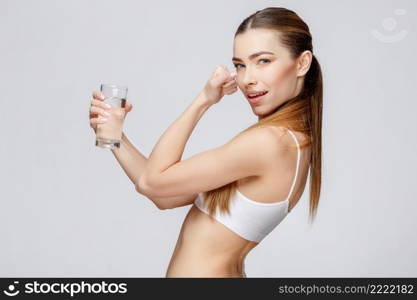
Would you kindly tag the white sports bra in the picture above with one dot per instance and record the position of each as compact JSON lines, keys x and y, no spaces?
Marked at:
{"x":251,"y":219}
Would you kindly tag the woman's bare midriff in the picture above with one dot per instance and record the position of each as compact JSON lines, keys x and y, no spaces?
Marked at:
{"x":207,"y":248}
{"x":201,"y":250}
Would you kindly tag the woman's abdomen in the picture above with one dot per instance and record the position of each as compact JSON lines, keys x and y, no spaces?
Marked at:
{"x":206,"y":248}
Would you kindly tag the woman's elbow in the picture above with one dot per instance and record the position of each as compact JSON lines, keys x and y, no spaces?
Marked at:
{"x":142,"y":186}
{"x":159,"y":205}
{"x":143,"y":189}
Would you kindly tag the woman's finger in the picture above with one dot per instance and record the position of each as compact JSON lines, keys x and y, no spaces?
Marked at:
{"x":98,"y":95}
{"x":95,"y":121}
{"x":128,"y":106}
{"x":231,"y":77}
{"x":220,"y":76}
{"x":229,"y":91}
{"x":94,"y":110}
{"x":100,"y":104}
{"x":229,"y":83}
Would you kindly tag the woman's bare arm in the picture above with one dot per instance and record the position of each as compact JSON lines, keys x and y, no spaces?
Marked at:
{"x":133,"y":162}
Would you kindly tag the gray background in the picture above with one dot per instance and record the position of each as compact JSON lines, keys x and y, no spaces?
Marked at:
{"x":68,"y":209}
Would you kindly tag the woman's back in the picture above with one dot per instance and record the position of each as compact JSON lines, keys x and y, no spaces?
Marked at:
{"x":208,"y":248}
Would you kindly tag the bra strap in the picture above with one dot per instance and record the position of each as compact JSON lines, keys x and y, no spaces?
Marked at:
{"x":298,"y":163}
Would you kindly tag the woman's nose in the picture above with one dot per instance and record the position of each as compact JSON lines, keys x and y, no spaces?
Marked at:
{"x":248,"y":78}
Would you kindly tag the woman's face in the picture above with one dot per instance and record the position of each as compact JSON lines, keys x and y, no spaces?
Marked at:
{"x":264,"y":65}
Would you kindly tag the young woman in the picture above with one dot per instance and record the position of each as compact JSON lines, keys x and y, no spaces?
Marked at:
{"x":243,"y":189}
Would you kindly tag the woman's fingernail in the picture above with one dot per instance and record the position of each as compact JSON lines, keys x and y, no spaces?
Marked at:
{"x":107,"y":113}
{"x":108,"y":105}
{"x":103,"y":120}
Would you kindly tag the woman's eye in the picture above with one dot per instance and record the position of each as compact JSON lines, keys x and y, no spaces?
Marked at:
{"x":263,"y":59}
{"x":267,"y":60}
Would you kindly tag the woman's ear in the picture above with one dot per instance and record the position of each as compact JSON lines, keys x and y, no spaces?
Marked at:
{"x":304,"y":62}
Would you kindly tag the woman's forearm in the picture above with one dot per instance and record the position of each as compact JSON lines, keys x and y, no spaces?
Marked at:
{"x":133,"y":162}
{"x":170,"y":146}
{"x":130,"y":159}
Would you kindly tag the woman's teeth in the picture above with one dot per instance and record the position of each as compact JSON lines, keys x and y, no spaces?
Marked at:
{"x":256,"y":95}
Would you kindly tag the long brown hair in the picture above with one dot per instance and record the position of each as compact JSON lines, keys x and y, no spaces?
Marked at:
{"x":302,"y":113}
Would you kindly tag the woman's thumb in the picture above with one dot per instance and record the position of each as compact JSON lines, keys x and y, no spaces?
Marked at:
{"x":128,"y":107}
{"x":220,"y":76}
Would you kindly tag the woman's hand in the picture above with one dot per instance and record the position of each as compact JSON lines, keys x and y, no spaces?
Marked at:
{"x":221,"y":82}
{"x":100,"y":111}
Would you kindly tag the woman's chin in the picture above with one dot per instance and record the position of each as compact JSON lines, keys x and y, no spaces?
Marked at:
{"x":261,"y":112}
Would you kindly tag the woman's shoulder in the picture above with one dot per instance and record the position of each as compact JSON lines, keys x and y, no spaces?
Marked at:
{"x":281,"y":136}
{"x":268,"y":141}
{"x":274,"y":132}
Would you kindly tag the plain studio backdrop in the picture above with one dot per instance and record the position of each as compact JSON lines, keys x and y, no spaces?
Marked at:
{"x":68,"y":209}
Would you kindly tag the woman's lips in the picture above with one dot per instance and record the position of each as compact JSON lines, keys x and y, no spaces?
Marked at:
{"x":256,"y":100}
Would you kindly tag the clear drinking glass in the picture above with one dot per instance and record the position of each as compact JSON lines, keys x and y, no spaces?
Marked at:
{"x":109,"y":134}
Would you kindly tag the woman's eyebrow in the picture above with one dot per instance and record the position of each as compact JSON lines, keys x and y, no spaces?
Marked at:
{"x":252,"y":56}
